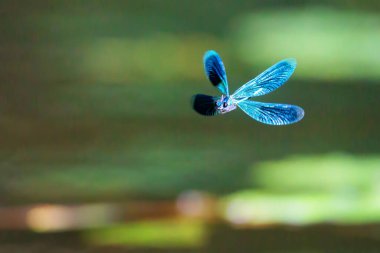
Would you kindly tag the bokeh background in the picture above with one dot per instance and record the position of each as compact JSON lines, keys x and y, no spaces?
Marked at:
{"x":100,"y":150}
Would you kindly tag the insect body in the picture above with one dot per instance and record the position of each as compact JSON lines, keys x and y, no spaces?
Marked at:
{"x":266,"y":82}
{"x":225,"y":104}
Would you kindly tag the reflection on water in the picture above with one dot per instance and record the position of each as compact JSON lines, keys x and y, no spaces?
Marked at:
{"x":294,"y":192}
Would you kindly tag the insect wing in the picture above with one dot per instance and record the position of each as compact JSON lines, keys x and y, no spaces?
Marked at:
{"x":215,"y":71}
{"x":272,"y":114}
{"x":268,"y":81}
{"x":205,"y":105}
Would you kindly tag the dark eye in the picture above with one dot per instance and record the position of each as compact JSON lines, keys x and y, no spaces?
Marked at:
{"x":225,"y":104}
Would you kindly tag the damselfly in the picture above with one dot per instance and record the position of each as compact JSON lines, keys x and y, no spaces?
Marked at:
{"x":266,"y":82}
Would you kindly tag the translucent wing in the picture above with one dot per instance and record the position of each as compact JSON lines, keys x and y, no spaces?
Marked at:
{"x":215,"y":71}
{"x":205,"y":105}
{"x":272,"y":114}
{"x":267,"y":81}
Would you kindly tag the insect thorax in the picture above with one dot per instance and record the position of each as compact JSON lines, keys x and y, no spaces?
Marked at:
{"x":225,"y":104}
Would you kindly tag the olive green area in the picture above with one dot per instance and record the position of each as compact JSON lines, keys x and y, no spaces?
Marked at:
{"x":95,"y":98}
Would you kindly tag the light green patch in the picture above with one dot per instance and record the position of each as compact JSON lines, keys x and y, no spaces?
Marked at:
{"x":157,"y":234}
{"x":328,"y":44}
{"x":337,"y":188}
{"x":152,"y":59}
{"x":326,"y":173}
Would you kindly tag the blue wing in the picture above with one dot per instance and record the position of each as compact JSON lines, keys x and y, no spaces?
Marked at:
{"x":215,"y":71}
{"x":268,"y":81}
{"x":205,"y":105}
{"x":272,"y":114}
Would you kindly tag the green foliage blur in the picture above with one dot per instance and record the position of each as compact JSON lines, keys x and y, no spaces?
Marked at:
{"x":95,"y":108}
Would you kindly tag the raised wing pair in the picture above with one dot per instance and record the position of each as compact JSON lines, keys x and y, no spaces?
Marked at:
{"x":266,"y":82}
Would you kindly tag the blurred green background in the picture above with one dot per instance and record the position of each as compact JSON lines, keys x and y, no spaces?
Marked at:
{"x":101,"y":152}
